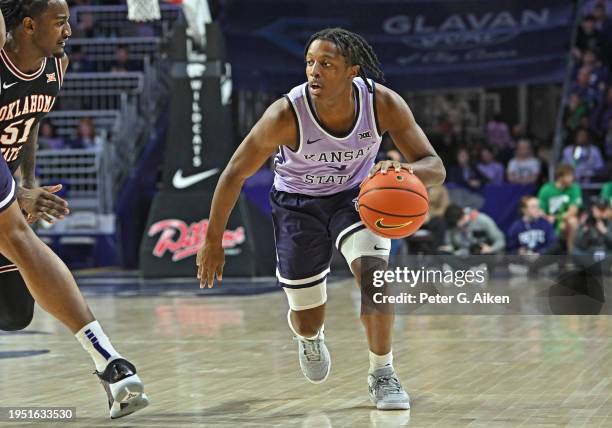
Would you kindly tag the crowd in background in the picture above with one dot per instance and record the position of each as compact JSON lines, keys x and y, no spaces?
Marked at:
{"x":84,"y":26}
{"x":570,"y":215}
{"x":587,"y":117}
{"x":555,"y":218}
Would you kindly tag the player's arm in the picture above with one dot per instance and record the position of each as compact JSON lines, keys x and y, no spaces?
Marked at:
{"x":28,"y":163}
{"x":38,"y":202}
{"x":276,"y":127}
{"x":395,"y":117}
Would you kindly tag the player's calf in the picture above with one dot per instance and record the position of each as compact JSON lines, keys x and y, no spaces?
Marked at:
{"x":307,"y":306}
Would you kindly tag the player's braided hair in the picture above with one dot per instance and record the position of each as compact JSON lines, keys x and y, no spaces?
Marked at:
{"x":355,"y":49}
{"x":14,"y":11}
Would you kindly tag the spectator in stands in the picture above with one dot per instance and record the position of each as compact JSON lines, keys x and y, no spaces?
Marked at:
{"x":524,"y":167}
{"x":47,"y":139}
{"x":531,"y":234}
{"x":588,"y":38}
{"x":86,"y":27}
{"x":560,"y":201}
{"x":587,"y":88}
{"x":438,"y":203}
{"x":584,"y":157}
{"x":606,"y":193}
{"x":489,"y":167}
{"x":122,"y":62}
{"x":600,"y":120}
{"x":599,"y":72}
{"x":498,"y":134}
{"x":78,"y":62}
{"x":608,"y":149}
{"x":575,"y":110}
{"x":464,"y":173}
{"x":470,"y":233}
{"x":458,"y":113}
{"x":604,"y":25}
{"x":600,"y":15}
{"x":518,"y":132}
{"x":594,"y":236}
{"x":86,"y":135}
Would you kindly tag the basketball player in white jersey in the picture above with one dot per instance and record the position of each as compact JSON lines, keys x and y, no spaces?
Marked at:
{"x":32,"y":66}
{"x":326,"y":133}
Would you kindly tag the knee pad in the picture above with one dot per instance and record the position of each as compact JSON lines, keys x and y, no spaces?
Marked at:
{"x":301,"y":299}
{"x":365,"y":243}
{"x":16,"y":322}
{"x":16,"y":302}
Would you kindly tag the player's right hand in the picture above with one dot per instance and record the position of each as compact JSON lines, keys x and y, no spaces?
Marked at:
{"x":40,"y":203}
{"x":210,"y":261}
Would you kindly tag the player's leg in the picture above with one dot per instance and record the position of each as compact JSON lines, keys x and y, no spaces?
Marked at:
{"x":569,"y":228}
{"x":16,"y":302}
{"x":303,"y":256}
{"x":377,"y":319}
{"x":366,"y":253}
{"x":52,"y":286}
{"x":46,"y":276}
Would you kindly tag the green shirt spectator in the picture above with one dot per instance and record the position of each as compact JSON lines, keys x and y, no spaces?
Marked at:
{"x":558,"y":196}
{"x":606,"y":192}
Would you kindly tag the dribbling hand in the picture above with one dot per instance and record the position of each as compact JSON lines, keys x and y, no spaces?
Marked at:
{"x":40,"y":203}
{"x":383,"y":167}
{"x":210,"y":261}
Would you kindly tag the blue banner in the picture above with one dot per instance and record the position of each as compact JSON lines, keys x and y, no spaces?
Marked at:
{"x":422,"y":44}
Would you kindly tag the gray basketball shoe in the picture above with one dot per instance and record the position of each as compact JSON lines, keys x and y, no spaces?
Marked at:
{"x":386,"y":390}
{"x":315,"y":361}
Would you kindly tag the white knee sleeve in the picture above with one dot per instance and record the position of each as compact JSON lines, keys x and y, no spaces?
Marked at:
{"x":365,"y":243}
{"x":301,"y":299}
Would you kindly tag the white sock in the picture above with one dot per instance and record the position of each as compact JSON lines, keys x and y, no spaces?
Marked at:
{"x":299,"y":336}
{"x":380,"y":361}
{"x":98,"y":346}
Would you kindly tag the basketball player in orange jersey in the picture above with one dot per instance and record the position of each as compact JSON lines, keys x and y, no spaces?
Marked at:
{"x":326,"y":134}
{"x":32,"y":67}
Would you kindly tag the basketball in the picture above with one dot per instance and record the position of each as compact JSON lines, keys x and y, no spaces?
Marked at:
{"x":393,"y":205}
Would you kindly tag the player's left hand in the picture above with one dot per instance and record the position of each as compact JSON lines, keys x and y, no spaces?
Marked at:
{"x":383,"y":167}
{"x":210,"y":261}
{"x":40,"y":203}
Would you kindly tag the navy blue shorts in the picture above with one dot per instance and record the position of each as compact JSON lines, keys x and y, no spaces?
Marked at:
{"x":7,"y":185}
{"x":305,"y":229}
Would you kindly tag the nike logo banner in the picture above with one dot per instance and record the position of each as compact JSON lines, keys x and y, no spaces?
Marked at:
{"x":181,"y":182}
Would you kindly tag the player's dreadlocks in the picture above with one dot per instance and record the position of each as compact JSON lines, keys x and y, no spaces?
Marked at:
{"x":355,"y":49}
{"x":14,"y":11}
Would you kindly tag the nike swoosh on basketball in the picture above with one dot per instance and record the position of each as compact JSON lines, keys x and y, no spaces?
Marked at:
{"x":313,"y":141}
{"x":181,"y":182}
{"x":5,"y":86}
{"x":379,"y":223}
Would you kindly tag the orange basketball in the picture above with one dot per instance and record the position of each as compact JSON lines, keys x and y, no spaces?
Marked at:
{"x":393,"y":205}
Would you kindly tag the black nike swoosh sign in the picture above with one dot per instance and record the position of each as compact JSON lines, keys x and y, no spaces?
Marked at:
{"x":376,"y":247}
{"x":338,"y":168}
{"x":313,"y":141}
{"x":379,"y":223}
